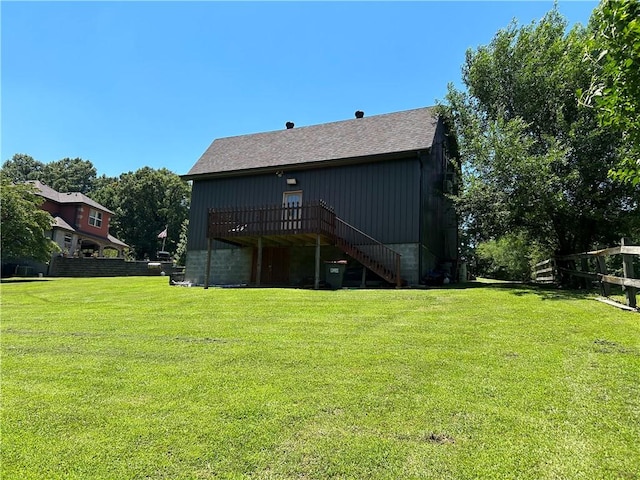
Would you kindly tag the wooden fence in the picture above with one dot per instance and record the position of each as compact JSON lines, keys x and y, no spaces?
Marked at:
{"x":583,"y":269}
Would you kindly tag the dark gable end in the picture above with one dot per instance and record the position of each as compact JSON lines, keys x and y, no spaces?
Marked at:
{"x":380,"y":135}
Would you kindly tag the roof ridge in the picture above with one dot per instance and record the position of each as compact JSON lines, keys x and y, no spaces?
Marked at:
{"x":334,"y":122}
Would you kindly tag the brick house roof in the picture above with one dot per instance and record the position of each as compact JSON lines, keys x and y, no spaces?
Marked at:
{"x":71,"y":197}
{"x":385,"y":134}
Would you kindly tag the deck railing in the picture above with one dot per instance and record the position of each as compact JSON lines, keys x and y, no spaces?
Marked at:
{"x":271,"y":220}
{"x":311,"y":218}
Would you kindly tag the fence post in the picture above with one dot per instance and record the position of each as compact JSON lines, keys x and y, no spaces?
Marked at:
{"x":574,"y":281}
{"x":627,"y":269}
{"x":562,"y":265}
{"x":605,"y":288}
{"x":584,"y":267}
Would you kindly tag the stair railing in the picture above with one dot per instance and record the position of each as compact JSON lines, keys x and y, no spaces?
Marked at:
{"x":368,"y":251}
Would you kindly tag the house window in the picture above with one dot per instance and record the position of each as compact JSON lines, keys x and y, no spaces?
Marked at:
{"x":67,"y":241}
{"x":95,"y":218}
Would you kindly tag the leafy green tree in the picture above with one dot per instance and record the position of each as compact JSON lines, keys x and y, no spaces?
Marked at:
{"x":21,"y":168}
{"x":145,"y":202}
{"x":103,"y":182}
{"x":511,"y":257}
{"x":24,"y":224}
{"x":106,"y":192}
{"x":613,"y":51}
{"x":535,"y":160}
{"x":66,"y":175}
{"x":181,"y":248}
{"x":70,"y":175}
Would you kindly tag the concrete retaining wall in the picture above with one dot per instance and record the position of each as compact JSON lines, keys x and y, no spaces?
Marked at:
{"x":106,"y":267}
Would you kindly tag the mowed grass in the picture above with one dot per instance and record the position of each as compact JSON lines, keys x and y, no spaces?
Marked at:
{"x":130,"y":378}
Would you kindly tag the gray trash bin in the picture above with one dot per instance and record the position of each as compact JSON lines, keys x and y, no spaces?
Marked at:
{"x":334,"y":273}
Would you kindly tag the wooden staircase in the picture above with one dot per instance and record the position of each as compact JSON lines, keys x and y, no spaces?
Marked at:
{"x":371,"y":253}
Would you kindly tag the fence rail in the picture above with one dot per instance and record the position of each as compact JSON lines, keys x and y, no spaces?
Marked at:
{"x":576,"y":268}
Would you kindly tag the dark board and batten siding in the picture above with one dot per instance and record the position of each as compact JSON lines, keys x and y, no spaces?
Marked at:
{"x":434,"y":166}
{"x":379,"y":198}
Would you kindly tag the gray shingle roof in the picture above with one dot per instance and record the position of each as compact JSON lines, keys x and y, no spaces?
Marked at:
{"x":61,"y":223}
{"x":113,"y":239}
{"x":348,"y":139}
{"x":72,"y":197}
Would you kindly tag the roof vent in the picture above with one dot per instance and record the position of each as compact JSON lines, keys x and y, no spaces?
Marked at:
{"x":290,"y":125}
{"x":359,"y":114}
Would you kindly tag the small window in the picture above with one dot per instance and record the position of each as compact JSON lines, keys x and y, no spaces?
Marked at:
{"x":95,"y":218}
{"x":67,"y":240}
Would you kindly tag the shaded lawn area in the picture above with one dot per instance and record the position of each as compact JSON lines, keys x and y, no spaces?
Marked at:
{"x":131,"y":378}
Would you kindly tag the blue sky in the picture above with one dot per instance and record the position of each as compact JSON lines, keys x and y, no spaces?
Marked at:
{"x":134,"y":84}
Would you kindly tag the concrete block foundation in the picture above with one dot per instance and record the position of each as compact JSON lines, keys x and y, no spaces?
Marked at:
{"x":233,"y":266}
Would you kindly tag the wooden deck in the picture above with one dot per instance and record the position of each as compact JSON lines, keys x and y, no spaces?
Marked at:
{"x":293,"y":225}
{"x":312,"y":224}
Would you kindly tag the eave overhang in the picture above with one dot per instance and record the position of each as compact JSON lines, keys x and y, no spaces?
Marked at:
{"x":291,"y":167}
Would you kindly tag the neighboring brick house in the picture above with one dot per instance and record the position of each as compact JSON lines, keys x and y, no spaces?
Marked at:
{"x":268,"y":208}
{"x":81,"y":225}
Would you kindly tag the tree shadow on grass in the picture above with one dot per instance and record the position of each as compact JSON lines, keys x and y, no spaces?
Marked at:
{"x":23,"y":279}
{"x":546,"y":292}
{"x":520,"y":289}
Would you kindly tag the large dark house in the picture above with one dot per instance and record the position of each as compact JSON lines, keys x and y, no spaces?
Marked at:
{"x":273,"y":208}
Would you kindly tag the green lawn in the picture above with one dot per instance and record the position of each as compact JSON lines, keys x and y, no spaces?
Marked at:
{"x":130,"y":378}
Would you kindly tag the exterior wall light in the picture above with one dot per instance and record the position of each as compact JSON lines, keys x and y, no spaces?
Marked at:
{"x":291,"y":181}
